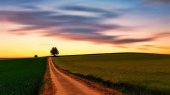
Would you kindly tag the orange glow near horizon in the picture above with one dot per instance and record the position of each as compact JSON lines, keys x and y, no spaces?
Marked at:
{"x":27,"y":45}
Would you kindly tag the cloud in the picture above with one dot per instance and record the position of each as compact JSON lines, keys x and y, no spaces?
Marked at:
{"x":31,"y":7}
{"x":102,"y":12}
{"x":44,"y":19}
{"x":70,"y":26}
{"x":155,"y":46}
{"x":158,"y":1}
{"x":66,"y":26}
{"x":133,"y":40}
{"x":97,"y":38}
{"x":163,"y":34}
{"x":161,"y":1}
{"x":82,"y":8}
{"x":18,"y":2}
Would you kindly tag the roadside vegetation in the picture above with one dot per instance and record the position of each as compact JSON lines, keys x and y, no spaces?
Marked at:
{"x":130,"y":73}
{"x":21,"y":76}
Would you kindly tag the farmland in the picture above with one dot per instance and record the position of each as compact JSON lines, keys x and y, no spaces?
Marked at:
{"x":130,"y":73}
{"x":21,"y":76}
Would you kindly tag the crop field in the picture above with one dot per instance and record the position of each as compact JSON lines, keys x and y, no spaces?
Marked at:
{"x":21,"y":76}
{"x":130,"y":73}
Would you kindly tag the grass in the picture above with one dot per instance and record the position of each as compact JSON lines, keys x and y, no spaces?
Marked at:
{"x":4,"y":58}
{"x":21,"y":76}
{"x":131,"y":73}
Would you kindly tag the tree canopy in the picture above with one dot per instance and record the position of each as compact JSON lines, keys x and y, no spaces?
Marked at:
{"x":54,"y":51}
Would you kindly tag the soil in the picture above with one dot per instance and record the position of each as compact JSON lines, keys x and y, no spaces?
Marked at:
{"x":66,"y":85}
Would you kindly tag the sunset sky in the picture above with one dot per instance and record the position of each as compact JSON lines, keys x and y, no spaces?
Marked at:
{"x":29,"y":27}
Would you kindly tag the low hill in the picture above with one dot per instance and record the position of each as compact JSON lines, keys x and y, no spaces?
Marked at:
{"x":117,"y":56}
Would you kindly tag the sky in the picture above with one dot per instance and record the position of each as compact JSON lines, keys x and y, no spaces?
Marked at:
{"x":29,"y":27}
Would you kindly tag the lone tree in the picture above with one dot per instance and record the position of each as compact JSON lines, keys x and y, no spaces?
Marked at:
{"x":54,"y":51}
{"x":35,"y":56}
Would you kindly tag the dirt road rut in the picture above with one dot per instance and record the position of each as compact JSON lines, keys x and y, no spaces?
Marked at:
{"x":66,"y":85}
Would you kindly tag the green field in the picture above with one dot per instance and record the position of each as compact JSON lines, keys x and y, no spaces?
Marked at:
{"x":21,"y":76}
{"x":131,"y":73}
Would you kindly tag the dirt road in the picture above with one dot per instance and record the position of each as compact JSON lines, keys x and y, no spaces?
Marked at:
{"x":66,"y":85}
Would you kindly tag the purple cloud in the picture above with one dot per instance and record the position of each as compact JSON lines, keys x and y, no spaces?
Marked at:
{"x":70,"y":26}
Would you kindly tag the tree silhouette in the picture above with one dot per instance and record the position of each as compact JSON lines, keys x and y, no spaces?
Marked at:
{"x":35,"y":56}
{"x":54,"y":51}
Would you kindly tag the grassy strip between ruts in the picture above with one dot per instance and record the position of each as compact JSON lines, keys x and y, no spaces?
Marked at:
{"x":133,"y":74}
{"x":21,"y":76}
